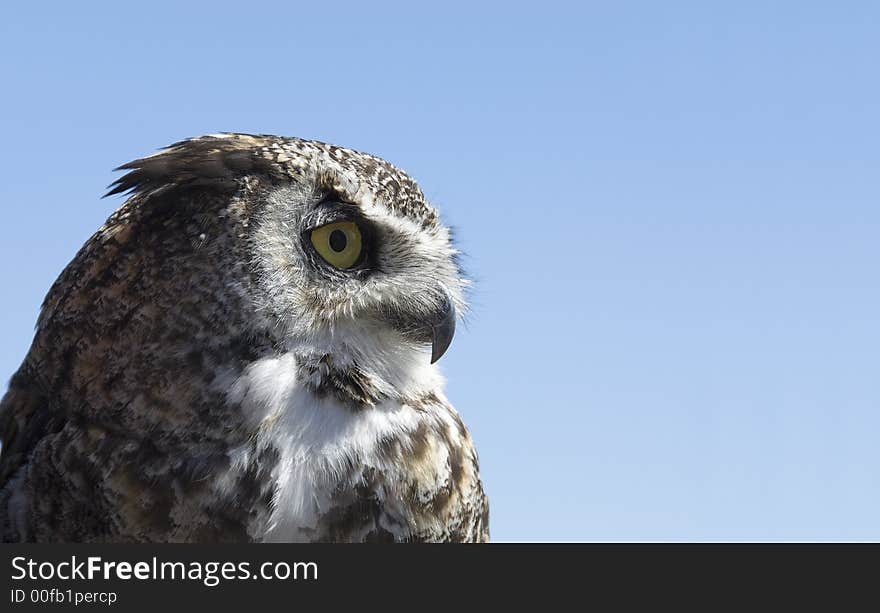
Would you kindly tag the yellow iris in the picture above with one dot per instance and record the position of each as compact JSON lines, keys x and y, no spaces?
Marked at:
{"x":339,"y":243}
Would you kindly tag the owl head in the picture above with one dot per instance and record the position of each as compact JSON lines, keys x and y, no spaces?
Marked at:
{"x":346,"y":263}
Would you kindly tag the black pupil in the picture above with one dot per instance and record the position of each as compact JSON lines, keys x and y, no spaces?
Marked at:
{"x":338,"y":241}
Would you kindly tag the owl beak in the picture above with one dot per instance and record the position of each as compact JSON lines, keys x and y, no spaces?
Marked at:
{"x":443,"y":331}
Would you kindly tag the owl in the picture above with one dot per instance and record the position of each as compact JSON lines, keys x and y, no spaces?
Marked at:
{"x":245,"y":351}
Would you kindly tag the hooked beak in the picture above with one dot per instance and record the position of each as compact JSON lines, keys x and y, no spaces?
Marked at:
{"x":443,"y":331}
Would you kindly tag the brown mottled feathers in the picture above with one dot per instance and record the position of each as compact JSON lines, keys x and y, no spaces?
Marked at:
{"x":218,"y":161}
{"x":119,"y":424}
{"x":207,"y":161}
{"x":124,"y":347}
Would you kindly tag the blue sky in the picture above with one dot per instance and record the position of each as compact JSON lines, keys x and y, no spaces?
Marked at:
{"x":670,"y":210}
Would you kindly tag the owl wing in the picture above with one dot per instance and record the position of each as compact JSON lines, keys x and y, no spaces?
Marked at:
{"x":35,"y":416}
{"x":24,"y":419}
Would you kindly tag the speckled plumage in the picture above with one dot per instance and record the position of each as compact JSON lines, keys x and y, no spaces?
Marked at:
{"x":199,"y":374}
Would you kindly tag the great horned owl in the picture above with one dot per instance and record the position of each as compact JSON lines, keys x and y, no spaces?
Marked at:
{"x":241,"y":354}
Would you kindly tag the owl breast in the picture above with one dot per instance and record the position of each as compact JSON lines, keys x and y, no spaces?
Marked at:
{"x":396,"y":470}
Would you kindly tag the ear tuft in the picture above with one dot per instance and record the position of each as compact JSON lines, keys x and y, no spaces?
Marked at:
{"x":215,"y":162}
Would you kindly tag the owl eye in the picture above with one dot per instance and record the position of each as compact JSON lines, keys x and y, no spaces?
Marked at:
{"x":339,"y":243}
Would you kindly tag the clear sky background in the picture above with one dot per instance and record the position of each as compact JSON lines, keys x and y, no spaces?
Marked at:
{"x":670,"y":209}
